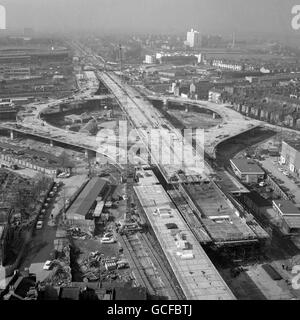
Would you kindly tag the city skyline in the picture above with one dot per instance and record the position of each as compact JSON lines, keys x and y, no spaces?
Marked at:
{"x":152,"y":16}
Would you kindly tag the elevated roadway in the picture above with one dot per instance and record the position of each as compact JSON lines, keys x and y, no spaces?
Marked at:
{"x":145,"y":118}
{"x":233,"y":123}
{"x":32,"y":124}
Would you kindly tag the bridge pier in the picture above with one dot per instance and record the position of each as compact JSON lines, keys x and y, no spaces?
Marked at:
{"x":165,"y":104}
{"x":51,"y":143}
{"x":90,"y":154}
{"x":12,"y":135}
{"x":214,"y":115}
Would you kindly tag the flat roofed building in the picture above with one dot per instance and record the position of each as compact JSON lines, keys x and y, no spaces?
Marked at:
{"x":69,"y":293}
{"x":247,"y":170}
{"x":290,"y":156}
{"x":87,"y":200}
{"x":9,"y":72}
{"x":193,"y":39}
{"x":149,"y":59}
{"x":290,"y":216}
{"x":291,"y":225}
{"x":286,"y":208}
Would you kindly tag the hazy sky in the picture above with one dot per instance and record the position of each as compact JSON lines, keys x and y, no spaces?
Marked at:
{"x":218,"y":16}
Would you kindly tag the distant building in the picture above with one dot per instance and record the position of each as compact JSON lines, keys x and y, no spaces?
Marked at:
{"x":172,"y":73}
{"x":201,"y":58}
{"x":193,"y":39}
{"x":200,"y":89}
{"x":214,"y":95}
{"x":176,"y":59}
{"x":247,"y":170}
{"x":7,"y":111}
{"x":290,"y":156}
{"x":33,"y":55}
{"x":228,"y":65}
{"x":9,"y":72}
{"x":149,"y":59}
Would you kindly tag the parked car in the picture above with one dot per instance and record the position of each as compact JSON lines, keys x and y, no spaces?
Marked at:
{"x":47,"y":265}
{"x":39,"y":224}
{"x":107,"y":240}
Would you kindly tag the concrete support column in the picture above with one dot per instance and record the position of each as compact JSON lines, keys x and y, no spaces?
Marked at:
{"x":165,"y":104}
{"x":86,"y":153}
{"x":12,"y":135}
{"x":51,"y":143}
{"x":214,"y":115}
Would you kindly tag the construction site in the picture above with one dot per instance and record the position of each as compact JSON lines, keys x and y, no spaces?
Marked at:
{"x":111,"y":225}
{"x":85,"y":117}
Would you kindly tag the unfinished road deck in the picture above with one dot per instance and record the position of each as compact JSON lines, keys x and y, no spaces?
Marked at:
{"x":197,"y":276}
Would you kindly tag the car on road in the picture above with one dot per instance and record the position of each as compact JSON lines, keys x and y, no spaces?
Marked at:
{"x":64,"y":175}
{"x":108,"y":235}
{"x":39,"y":225}
{"x":47,"y":265}
{"x":107,"y":240}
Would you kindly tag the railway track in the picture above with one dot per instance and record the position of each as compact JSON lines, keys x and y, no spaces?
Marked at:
{"x":138,"y":271}
{"x":148,"y":268}
{"x":174,"y":290}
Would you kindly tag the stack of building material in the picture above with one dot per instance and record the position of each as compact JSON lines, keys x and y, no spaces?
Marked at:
{"x":90,"y":266}
{"x":110,"y":264}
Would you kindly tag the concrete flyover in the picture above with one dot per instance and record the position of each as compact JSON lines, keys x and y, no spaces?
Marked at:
{"x":32,"y":124}
{"x":144,"y":117}
{"x":85,"y":143}
{"x":233,"y":123}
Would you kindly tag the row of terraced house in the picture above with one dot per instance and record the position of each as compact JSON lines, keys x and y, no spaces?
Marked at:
{"x":275,"y":109}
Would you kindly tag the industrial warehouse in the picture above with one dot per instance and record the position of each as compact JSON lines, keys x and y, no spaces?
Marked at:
{"x":84,"y":207}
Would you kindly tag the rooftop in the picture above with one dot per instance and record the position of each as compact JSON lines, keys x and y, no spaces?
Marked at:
{"x":293,"y":143}
{"x":247,"y":166}
{"x":69,"y":293}
{"x":86,"y":198}
{"x":286,"y":207}
{"x":37,"y":157}
{"x":293,"y":222}
{"x":130,"y":293}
